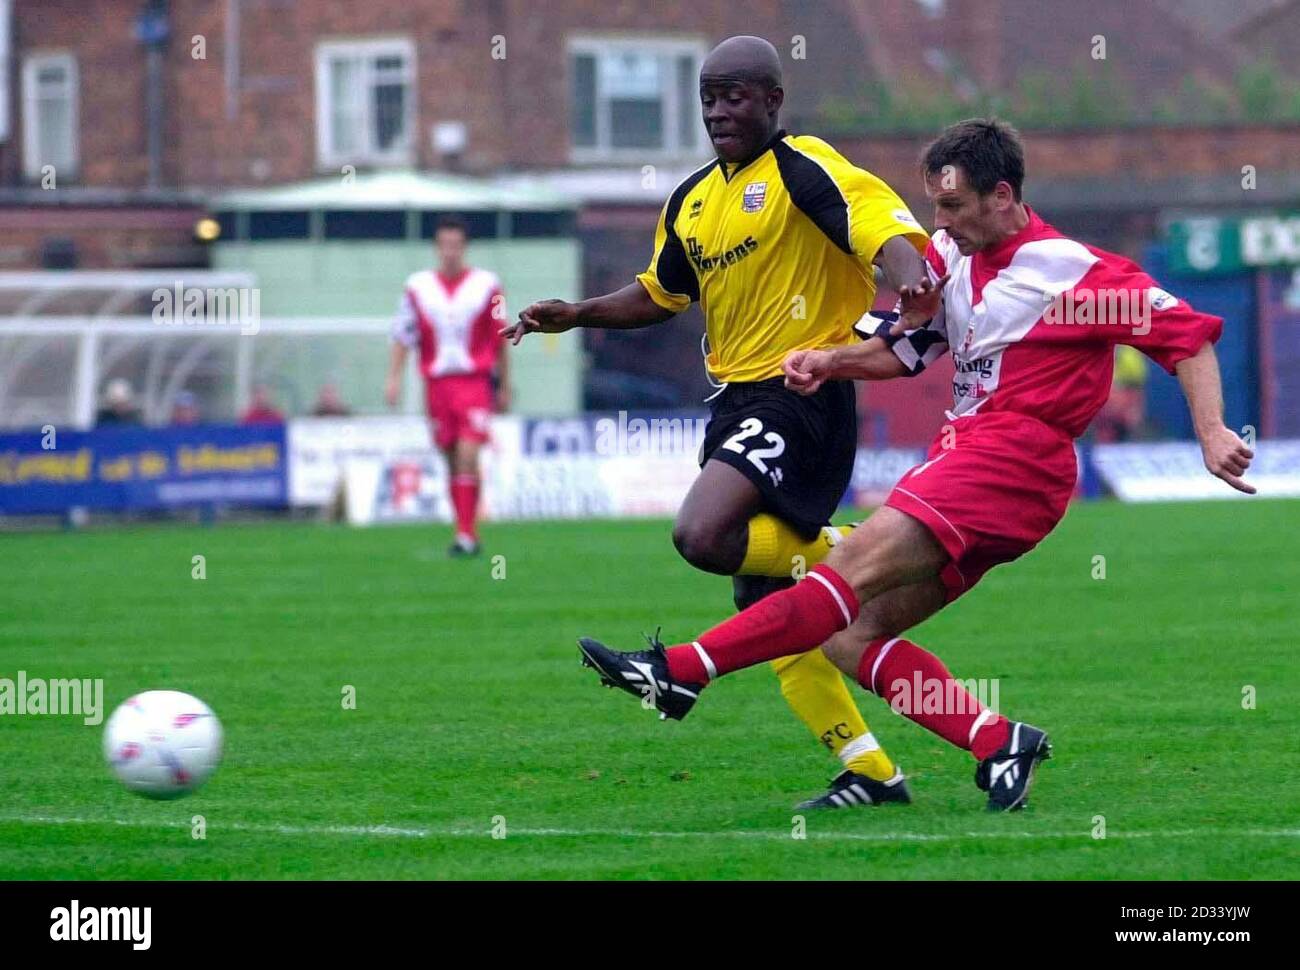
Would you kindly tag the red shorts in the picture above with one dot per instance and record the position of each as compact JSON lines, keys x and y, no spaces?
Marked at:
{"x":994,"y":493}
{"x":459,"y":406}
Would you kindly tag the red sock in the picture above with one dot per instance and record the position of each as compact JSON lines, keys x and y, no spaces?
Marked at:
{"x":917,"y":684}
{"x":464,"y":499}
{"x":791,"y":621}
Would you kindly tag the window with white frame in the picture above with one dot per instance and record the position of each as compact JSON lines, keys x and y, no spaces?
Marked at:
{"x":633,"y":97}
{"x":365,"y":102}
{"x":6,"y":11}
{"x":49,"y":114}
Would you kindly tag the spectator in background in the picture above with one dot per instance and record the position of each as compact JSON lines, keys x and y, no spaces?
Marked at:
{"x":185,"y":410}
{"x":1124,"y":413}
{"x":329,"y":404}
{"x":119,"y":404}
{"x":262,"y":410}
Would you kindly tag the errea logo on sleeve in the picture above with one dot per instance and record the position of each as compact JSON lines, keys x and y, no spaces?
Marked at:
{"x":131,"y":924}
{"x":1161,"y":299}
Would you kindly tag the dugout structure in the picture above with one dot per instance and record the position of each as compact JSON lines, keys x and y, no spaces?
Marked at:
{"x":304,"y":282}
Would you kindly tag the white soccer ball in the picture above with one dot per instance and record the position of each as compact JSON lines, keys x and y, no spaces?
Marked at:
{"x":163,"y":743}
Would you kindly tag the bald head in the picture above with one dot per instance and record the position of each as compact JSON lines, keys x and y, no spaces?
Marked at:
{"x":741,"y":96}
{"x":745,"y":60}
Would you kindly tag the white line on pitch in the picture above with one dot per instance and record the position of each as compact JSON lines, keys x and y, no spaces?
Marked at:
{"x":390,"y":831}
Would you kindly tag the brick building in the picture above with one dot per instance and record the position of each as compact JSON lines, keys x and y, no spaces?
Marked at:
{"x":139,"y":107}
{"x":264,"y":91}
{"x":122,"y":118}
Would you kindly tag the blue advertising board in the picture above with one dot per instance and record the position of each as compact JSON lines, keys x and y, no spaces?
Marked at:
{"x":120,"y":468}
{"x":1234,"y":299}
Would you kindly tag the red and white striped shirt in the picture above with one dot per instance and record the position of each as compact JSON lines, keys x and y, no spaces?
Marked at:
{"x":453,"y":323}
{"x":1032,"y":324}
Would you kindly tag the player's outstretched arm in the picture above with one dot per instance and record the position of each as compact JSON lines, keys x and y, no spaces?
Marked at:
{"x":871,"y":360}
{"x":1226,"y":455}
{"x":625,"y":309}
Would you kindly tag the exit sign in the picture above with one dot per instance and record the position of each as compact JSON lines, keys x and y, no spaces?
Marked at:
{"x":1222,"y":245}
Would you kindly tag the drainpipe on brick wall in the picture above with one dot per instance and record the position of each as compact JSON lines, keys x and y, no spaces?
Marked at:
{"x":152,"y":28}
{"x":232,"y":59}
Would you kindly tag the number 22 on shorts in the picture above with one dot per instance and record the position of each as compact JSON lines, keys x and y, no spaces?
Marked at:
{"x":748,"y":429}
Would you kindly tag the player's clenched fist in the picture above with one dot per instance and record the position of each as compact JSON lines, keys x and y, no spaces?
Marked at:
{"x":807,"y":370}
{"x":546,"y":316}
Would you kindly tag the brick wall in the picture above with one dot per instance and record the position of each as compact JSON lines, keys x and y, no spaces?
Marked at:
{"x":101,"y":238}
{"x":1131,"y":156}
{"x":256,"y":124}
{"x":99,"y":33}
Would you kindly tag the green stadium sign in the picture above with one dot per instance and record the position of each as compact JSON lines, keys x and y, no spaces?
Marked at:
{"x":1213,"y":245}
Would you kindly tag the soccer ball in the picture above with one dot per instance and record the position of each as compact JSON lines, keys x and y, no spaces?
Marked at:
{"x":162,"y":743}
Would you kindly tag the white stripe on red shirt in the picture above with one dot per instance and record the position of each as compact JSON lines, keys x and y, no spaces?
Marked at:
{"x":453,"y":323}
{"x":1032,"y":322}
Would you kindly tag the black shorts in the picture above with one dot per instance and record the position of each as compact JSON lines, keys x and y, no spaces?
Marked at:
{"x":797,"y":450}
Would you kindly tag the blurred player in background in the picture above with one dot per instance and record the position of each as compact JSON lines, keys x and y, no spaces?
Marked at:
{"x":451,"y":315}
{"x":776,"y":239}
{"x":1031,"y":318}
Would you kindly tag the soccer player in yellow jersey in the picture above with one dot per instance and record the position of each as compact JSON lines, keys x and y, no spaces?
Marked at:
{"x":776,"y":239}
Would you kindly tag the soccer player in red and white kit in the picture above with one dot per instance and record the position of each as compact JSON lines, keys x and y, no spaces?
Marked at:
{"x":1031,"y":319}
{"x":451,"y":315}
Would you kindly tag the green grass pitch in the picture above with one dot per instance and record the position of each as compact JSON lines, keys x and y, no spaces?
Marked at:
{"x":472,"y":709}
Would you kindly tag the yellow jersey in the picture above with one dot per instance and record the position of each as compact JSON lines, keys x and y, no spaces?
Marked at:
{"x":777,"y":251}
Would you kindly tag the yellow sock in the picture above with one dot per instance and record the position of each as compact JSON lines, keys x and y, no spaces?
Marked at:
{"x":775,"y":549}
{"x":815,"y":690}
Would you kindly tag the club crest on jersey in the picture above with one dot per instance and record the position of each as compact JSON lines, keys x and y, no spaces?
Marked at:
{"x":754,"y":196}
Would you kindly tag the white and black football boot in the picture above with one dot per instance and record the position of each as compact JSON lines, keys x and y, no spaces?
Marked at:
{"x":643,"y":673}
{"x":850,"y":790}
{"x":464,"y":547}
{"x":1006,"y":775}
